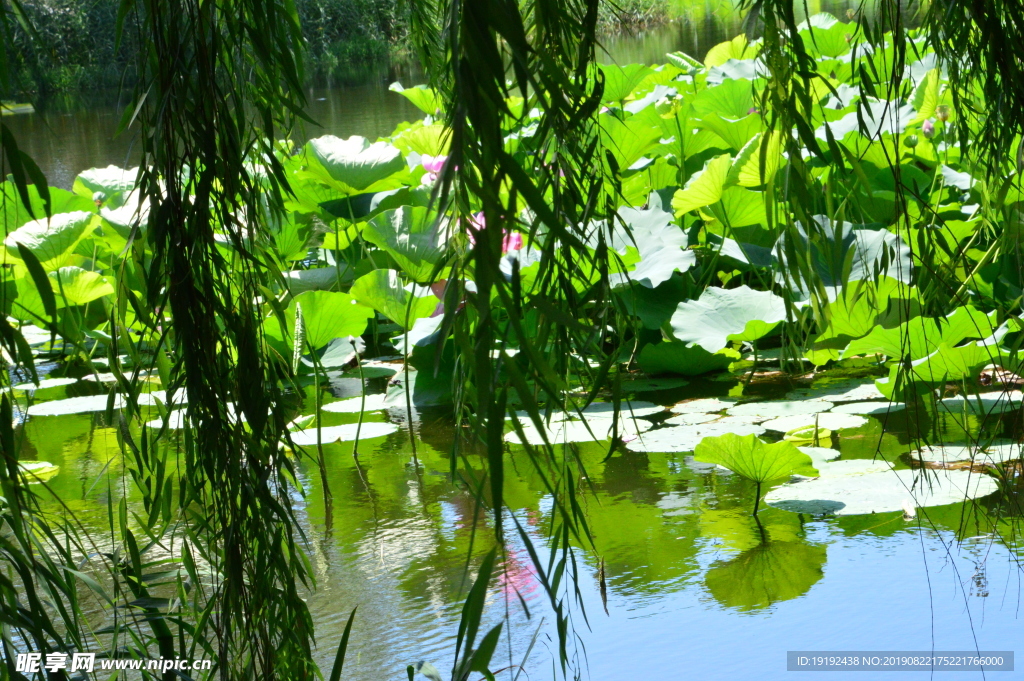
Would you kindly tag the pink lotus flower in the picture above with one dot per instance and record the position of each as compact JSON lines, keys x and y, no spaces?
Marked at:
{"x":433,"y":165}
{"x":928,"y":129}
{"x":512,"y":241}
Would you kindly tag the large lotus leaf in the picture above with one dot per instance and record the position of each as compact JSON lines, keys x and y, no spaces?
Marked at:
{"x":826,"y":36}
{"x":79,"y":286}
{"x":427,"y":140}
{"x":620,"y":81}
{"x":355,"y":162}
{"x":869,"y":123}
{"x":131,"y":213}
{"x":884,"y":491}
{"x":758,"y":161}
{"x":423,"y":98}
{"x":829,"y":421}
{"x":343,"y":433}
{"x":654,"y":306}
{"x":737,"y":69}
{"x":777,"y":408}
{"x":858,"y":310}
{"x":14,"y":213}
{"x":316,"y":279}
{"x":737,"y":48}
{"x":922,"y":335}
{"x":926,"y":97}
{"x":682,"y":358}
{"x":51,"y":241}
{"x":842,"y":252}
{"x":738,"y":132}
{"x":384,"y":291}
{"x":110,"y":181}
{"x":765,"y":575}
{"x":722,"y":315}
{"x":684,"y":62}
{"x":326,"y":315}
{"x":413,"y":236}
{"x":84,"y":404}
{"x":659,"y":243}
{"x":753,"y":459}
{"x":732,"y":99}
{"x":740,"y":207}
{"x":945,"y":365}
{"x":628,"y":140}
{"x":704,"y":187}
{"x":687,"y":438}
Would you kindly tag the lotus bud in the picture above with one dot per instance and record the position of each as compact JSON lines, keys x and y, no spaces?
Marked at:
{"x":851,"y":13}
{"x":753,"y":110}
{"x":98,"y":198}
{"x":928,"y":129}
{"x":942,"y":113}
{"x":910,"y":141}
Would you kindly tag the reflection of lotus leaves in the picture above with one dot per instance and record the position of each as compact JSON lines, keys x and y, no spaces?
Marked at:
{"x":37,"y":471}
{"x":674,"y":504}
{"x":877,"y":492}
{"x":766,"y":574}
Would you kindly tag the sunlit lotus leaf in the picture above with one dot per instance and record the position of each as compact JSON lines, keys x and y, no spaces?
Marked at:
{"x":422,"y":97}
{"x":384,"y":291}
{"x":826,"y":36}
{"x":659,"y":245}
{"x":926,"y":97}
{"x":131,"y":213}
{"x":820,"y":455}
{"x":766,"y":574}
{"x":998,"y":451}
{"x":53,"y":240}
{"x":78,"y":286}
{"x":589,"y":430}
{"x":777,"y":408}
{"x":704,"y":188}
{"x":922,"y":335}
{"x":354,"y":405}
{"x":46,"y":383}
{"x":705,"y":405}
{"x":344,"y":433}
{"x":831,"y":421}
{"x":316,"y":279}
{"x":636,"y":408}
{"x":426,"y":140}
{"x":758,"y":161}
{"x":686,"y":438}
{"x":685,"y":62}
{"x":945,"y":365}
{"x":110,"y":180}
{"x":739,"y":207}
{"x":805,"y":434}
{"x":355,"y":162}
{"x":326,"y":315}
{"x":736,"y":132}
{"x":869,"y":408}
{"x":82,"y":405}
{"x":690,"y":419}
{"x":37,"y":471}
{"x":984,"y":403}
{"x":737,"y":48}
{"x":687,"y":359}
{"x":413,"y":236}
{"x":620,"y":81}
{"x":749,"y":457}
{"x":879,"y":492}
{"x":628,"y":141}
{"x":14,"y":213}
{"x":737,"y":69}
{"x":722,"y":315}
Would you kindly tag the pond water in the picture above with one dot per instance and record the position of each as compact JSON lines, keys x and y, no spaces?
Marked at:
{"x":691,"y":585}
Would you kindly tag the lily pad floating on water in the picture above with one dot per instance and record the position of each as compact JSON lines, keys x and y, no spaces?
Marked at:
{"x":996,"y":452}
{"x":883,"y":491}
{"x":46,"y":383}
{"x":820,"y":455}
{"x":85,"y":404}
{"x":691,"y":419}
{"x":869,"y":408}
{"x":356,"y":404}
{"x":706,"y":405}
{"x":780,"y":408}
{"x":590,"y":430}
{"x":808,"y":434}
{"x":37,"y":471}
{"x":827,"y":420}
{"x":686,"y":438}
{"x":642,"y":385}
{"x":985,"y":403}
{"x":841,"y":391}
{"x":343,"y":433}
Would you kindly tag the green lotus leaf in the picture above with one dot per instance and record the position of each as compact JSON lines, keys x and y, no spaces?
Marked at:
{"x":737,"y":132}
{"x":704,"y":187}
{"x":79,"y":286}
{"x":110,"y":181}
{"x":423,"y":98}
{"x":740,"y":207}
{"x":737,"y":48}
{"x":51,"y":241}
{"x":628,"y":140}
{"x":686,"y":359}
{"x":749,"y":457}
{"x":384,"y":291}
{"x":684,"y":62}
{"x":14,"y":214}
{"x":722,"y":315}
{"x":766,"y":574}
{"x":826,"y":36}
{"x":926,"y":97}
{"x":733,"y":99}
{"x":620,"y":81}
{"x":37,"y":471}
{"x":922,"y":335}
{"x":413,"y":236}
{"x":762,"y":151}
{"x":355,"y":162}
{"x":326,"y":315}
